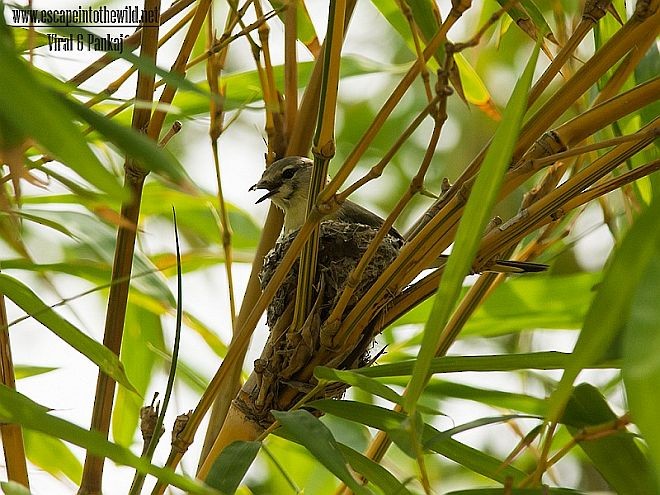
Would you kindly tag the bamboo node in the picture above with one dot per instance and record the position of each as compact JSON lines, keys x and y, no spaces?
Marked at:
{"x":460,"y":6}
{"x":134,"y":173}
{"x":594,"y":10}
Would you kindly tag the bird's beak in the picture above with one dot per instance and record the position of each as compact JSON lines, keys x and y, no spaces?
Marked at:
{"x":263,"y":185}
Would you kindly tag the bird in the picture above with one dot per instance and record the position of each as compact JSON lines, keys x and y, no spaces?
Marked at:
{"x":287,"y":181}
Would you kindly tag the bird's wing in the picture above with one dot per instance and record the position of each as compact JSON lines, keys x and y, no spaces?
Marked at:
{"x":354,"y":213}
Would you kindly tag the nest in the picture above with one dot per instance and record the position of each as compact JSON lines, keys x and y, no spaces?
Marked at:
{"x":341,"y":245}
{"x":282,"y":373}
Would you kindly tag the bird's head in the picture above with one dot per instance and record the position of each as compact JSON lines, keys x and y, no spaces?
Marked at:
{"x":287,"y":182}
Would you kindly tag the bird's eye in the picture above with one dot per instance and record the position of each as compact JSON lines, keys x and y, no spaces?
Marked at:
{"x":288,"y":173}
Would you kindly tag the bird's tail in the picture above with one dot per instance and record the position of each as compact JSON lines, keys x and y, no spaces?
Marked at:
{"x":503,"y":266}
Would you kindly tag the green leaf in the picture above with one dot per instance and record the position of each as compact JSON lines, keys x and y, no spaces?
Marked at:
{"x":473,"y":221}
{"x":617,"y":457}
{"x":23,"y":38}
{"x":231,"y":465}
{"x":304,"y":27}
{"x":357,"y":380}
{"x":386,"y":420}
{"x":522,"y":17}
{"x":23,"y":371}
{"x":537,"y":18}
{"x":29,"y":302}
{"x":477,"y":423}
{"x":641,"y":354}
{"x":611,"y":307}
{"x":518,"y":491}
{"x":134,"y":144}
{"x":17,"y":408}
{"x":40,"y":220}
{"x":473,"y":87}
{"x":243,"y":88}
{"x":196,"y":218}
{"x":425,"y":12}
{"x":308,"y":431}
{"x":32,"y":109}
{"x":142,"y":332}
{"x":13,"y":488}
{"x":196,"y":221}
{"x":496,"y":398}
{"x":367,"y":384}
{"x":373,"y":471}
{"x":97,"y":240}
{"x":550,"y":360}
{"x":52,"y":455}
{"x":521,"y":303}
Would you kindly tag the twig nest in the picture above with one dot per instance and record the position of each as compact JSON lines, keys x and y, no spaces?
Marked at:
{"x":341,"y":245}
{"x":284,"y":372}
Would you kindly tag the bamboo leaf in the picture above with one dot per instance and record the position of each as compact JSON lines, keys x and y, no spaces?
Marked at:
{"x":52,"y":455}
{"x":386,"y":420}
{"x":496,"y":398}
{"x":17,"y":408}
{"x":308,"y":431}
{"x":473,"y":221}
{"x":425,"y":13}
{"x":550,"y":360}
{"x":545,"y":490}
{"x":304,"y":27}
{"x":244,"y":88}
{"x":29,"y":302}
{"x":97,"y":241}
{"x":537,"y":18}
{"x":641,"y":355}
{"x":33,"y":110}
{"x":196,"y":219}
{"x":22,"y":371}
{"x":610,"y":309}
{"x":23,"y":38}
{"x":367,"y":384}
{"x":474,"y":89}
{"x":373,"y":472}
{"x":231,"y":465}
{"x":553,"y":301}
{"x":13,"y":488}
{"x":142,"y":332}
{"x":41,"y":221}
{"x":617,"y":457}
{"x":134,"y":144}
{"x":357,"y":380}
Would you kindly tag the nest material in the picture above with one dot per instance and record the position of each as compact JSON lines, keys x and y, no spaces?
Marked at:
{"x":282,"y":374}
{"x":341,"y":245}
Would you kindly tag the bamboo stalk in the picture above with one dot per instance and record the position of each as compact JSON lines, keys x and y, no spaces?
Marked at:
{"x":440,"y":116}
{"x":11,"y":433}
{"x":414,"y":30}
{"x":290,"y":67}
{"x":325,"y":197}
{"x":158,"y":117}
{"x":634,"y":31}
{"x":237,"y":349}
{"x":592,"y":13}
{"x":130,"y":43}
{"x":323,"y":149}
{"x":298,"y":145}
{"x":214,"y":68}
{"x":122,"y":265}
